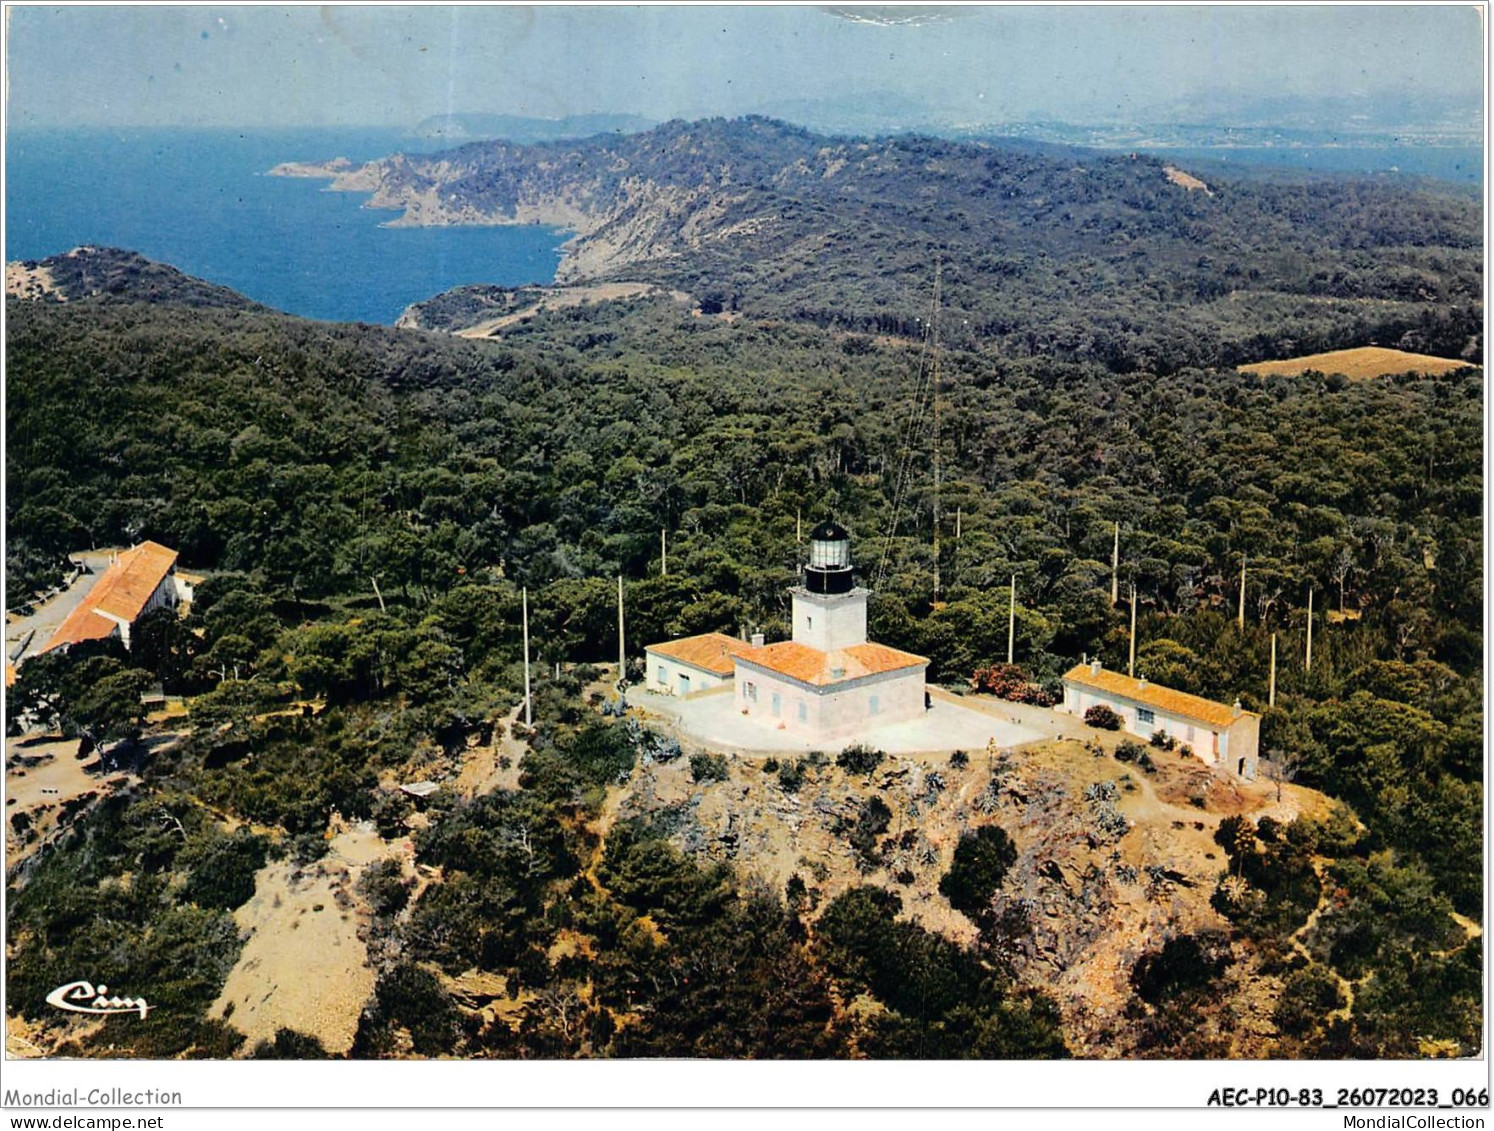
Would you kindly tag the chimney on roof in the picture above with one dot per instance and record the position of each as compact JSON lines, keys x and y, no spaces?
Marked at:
{"x":757,"y":639}
{"x":1237,"y":708}
{"x":1094,"y":666}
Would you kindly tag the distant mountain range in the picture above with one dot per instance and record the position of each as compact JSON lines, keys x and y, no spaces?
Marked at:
{"x":509,"y":127}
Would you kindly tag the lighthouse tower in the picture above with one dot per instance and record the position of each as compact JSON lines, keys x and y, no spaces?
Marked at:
{"x":829,"y":610}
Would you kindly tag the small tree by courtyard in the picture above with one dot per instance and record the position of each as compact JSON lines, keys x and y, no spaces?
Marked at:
{"x":1282,"y":766}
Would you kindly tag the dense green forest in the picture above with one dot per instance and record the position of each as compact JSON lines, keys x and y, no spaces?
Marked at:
{"x":302,"y":463}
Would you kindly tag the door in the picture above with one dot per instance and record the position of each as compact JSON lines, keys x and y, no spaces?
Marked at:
{"x":684,"y":684}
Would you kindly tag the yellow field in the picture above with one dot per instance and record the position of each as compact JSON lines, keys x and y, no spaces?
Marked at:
{"x":1366,"y":361}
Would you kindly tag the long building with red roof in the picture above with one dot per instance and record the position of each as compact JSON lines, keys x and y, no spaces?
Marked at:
{"x":139,"y":579}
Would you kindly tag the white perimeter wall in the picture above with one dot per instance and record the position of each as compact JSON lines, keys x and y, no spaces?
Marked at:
{"x":833,"y":715}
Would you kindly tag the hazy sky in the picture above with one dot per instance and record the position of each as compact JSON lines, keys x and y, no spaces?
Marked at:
{"x":349,"y":65}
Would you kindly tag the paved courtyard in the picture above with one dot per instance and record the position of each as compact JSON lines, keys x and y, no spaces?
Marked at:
{"x":36,"y":629}
{"x":712,"y":719}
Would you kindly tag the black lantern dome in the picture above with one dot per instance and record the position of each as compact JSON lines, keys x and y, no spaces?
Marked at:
{"x":829,"y":568}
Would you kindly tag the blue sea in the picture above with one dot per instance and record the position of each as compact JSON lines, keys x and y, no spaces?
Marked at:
{"x":199,"y":200}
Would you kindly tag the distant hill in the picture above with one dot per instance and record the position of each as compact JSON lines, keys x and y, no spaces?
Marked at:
{"x":1065,"y":252}
{"x":107,"y":272}
{"x":510,"y":127}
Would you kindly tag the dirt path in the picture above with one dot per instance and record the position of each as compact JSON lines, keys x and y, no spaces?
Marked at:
{"x":558,"y":299}
{"x":482,"y":771}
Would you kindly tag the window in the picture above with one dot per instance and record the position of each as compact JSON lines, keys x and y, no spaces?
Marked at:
{"x":873,"y":705}
{"x":803,"y":711}
{"x":777,"y":704}
{"x":663,"y":675}
{"x":1145,"y":715}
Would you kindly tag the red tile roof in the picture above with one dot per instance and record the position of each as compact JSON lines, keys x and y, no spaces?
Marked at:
{"x":1153,"y":695}
{"x":711,"y":651}
{"x":121,"y":593}
{"x":810,"y":665}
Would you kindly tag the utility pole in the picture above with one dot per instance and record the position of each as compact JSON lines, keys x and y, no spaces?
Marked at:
{"x":1309,"y":630}
{"x":1011,"y":623}
{"x":959,"y":522}
{"x":663,"y":552}
{"x":1271,"y":694}
{"x":528,"y":698}
{"x":622,"y":649}
{"x":1240,"y":620}
{"x":934,"y":378}
{"x":379,"y":595}
{"x":1115,"y":567}
{"x":799,"y":526}
{"x":1131,"y":667}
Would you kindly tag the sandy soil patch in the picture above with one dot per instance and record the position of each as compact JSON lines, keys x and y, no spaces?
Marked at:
{"x":31,"y":282}
{"x":557,"y":298}
{"x":1185,"y":180}
{"x":1359,"y":364}
{"x":44,"y":780}
{"x":305,"y":965}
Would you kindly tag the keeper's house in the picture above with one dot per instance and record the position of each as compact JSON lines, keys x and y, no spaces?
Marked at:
{"x":692,"y":663}
{"x":1219,"y":734}
{"x":137,"y":581}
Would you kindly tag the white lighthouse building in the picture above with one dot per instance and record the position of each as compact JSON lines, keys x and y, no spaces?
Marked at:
{"x":828,"y":682}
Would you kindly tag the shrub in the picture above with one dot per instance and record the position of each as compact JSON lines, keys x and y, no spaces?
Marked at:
{"x":791,"y":776}
{"x":1011,"y":682}
{"x":1102,"y":717}
{"x":707,"y":767}
{"x":1187,"y":966}
{"x":981,"y":861}
{"x":959,"y":760}
{"x":1307,"y":997}
{"x":1129,"y":751}
{"x":223,"y":876}
{"x":859,"y":759}
{"x":289,"y":1045}
{"x":1163,"y":741}
{"x":871,"y":822}
{"x":384,"y":886}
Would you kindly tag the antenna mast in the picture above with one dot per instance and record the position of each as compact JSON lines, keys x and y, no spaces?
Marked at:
{"x":934,"y":353}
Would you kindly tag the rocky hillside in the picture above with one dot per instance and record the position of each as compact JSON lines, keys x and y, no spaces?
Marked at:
{"x":1122,"y":258}
{"x":106,"y":272}
{"x":1111,"y":862}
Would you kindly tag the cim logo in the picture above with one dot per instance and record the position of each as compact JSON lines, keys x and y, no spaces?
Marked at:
{"x":85,"y":997}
